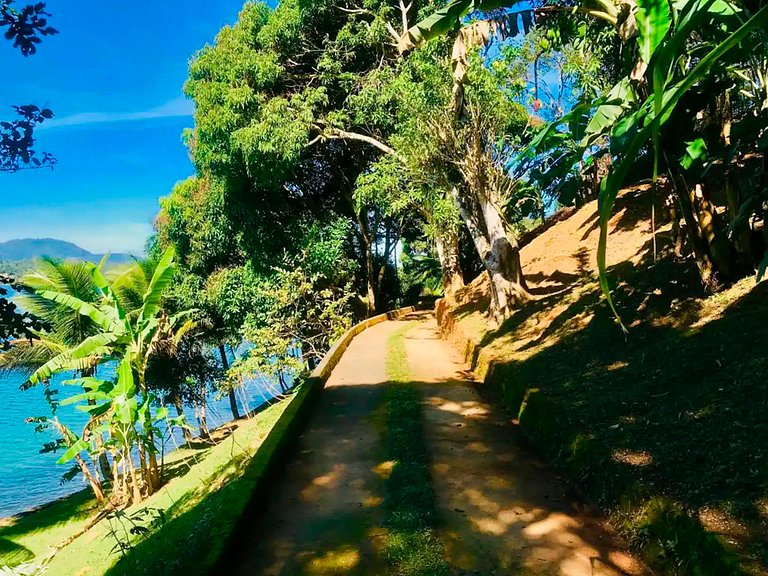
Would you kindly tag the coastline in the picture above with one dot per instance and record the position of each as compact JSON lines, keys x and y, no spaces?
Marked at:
{"x":11,"y":519}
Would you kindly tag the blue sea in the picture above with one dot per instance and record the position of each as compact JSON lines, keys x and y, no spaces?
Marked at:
{"x":29,"y":479}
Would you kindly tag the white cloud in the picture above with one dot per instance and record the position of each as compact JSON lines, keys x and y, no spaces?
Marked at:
{"x":175,"y":108}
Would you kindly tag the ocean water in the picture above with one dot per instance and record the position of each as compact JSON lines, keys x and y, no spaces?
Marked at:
{"x":29,"y":479}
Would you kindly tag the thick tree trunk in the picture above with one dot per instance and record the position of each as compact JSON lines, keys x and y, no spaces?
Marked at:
{"x":719,"y":248}
{"x":448,"y":254}
{"x":232,"y":396}
{"x":695,"y":230}
{"x":500,"y":256}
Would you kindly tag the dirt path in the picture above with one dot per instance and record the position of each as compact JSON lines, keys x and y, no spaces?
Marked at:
{"x":323,"y":518}
{"x":502,"y":511}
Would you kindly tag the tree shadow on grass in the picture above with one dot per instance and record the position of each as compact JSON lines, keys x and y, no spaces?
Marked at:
{"x":80,"y":504}
{"x":12,"y":554}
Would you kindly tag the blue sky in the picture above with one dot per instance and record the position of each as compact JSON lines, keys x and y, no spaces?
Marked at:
{"x":113,"y":77}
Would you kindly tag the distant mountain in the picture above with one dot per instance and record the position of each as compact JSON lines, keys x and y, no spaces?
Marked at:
{"x":31,"y":248}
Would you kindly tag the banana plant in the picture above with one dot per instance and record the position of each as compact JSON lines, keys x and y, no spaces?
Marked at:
{"x":676,"y":51}
{"x":131,"y":338}
{"x":664,"y":43}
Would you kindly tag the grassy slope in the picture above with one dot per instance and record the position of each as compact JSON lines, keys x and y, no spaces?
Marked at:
{"x":28,"y":536}
{"x":671,"y":419}
{"x":201,"y":503}
{"x":413,"y":548}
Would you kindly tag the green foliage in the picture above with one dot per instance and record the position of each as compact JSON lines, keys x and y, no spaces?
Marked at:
{"x":669,"y":87}
{"x":121,"y":409}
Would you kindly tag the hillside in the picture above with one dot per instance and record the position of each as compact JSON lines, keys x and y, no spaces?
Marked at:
{"x":664,"y":429}
{"x":16,"y":256}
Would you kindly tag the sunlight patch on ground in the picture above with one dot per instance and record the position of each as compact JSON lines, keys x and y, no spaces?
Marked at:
{"x":312,"y":492}
{"x":632,"y":458}
{"x":384,"y":470}
{"x":334,"y":562}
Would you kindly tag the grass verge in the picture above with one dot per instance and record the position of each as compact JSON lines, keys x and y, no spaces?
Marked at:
{"x":413,"y":547}
{"x":200,"y":506}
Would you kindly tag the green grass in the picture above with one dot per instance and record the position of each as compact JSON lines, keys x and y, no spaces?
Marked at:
{"x":201,"y":505}
{"x":666,"y":430}
{"x":413,"y":547}
{"x":28,"y":536}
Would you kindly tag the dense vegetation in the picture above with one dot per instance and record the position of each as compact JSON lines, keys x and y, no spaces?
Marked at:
{"x":350,"y":158}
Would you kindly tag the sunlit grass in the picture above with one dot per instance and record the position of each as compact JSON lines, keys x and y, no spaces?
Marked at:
{"x":201,"y":505}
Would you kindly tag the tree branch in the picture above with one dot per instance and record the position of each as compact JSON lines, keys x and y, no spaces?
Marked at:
{"x":337,"y":134}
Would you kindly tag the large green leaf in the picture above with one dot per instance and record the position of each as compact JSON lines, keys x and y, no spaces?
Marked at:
{"x":75,"y":359}
{"x":160,"y":280}
{"x":446,"y":19}
{"x":125,"y":381}
{"x":653,"y":21}
{"x":101,"y":319}
{"x":85,"y":397}
{"x":612,"y":184}
{"x":73,"y":451}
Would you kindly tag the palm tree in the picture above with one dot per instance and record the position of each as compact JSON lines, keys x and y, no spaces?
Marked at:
{"x":65,"y":327}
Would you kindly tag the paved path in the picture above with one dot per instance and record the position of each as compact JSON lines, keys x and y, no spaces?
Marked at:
{"x":502,"y":512}
{"x":324,"y":517}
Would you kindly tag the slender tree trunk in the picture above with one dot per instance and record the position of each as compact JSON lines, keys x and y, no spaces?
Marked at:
{"x":202,"y":419}
{"x":387,"y":250}
{"x":369,"y":266}
{"x":92,"y":479}
{"x":232,"y":397}
{"x":134,"y":477}
{"x":180,"y":412}
{"x":448,"y":254}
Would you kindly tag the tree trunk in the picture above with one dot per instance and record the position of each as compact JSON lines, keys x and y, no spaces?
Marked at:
{"x":369,"y":265}
{"x":202,"y":420}
{"x":500,"y":256}
{"x":387,"y":250}
{"x":232,"y":397}
{"x":180,"y":412}
{"x":698,"y":243}
{"x":719,"y":247}
{"x":448,"y":253}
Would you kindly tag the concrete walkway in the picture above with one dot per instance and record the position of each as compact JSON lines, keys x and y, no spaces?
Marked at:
{"x":325,"y":515}
{"x":502,"y":512}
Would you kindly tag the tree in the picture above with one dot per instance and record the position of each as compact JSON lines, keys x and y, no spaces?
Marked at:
{"x":273,"y":130}
{"x":657,"y":102}
{"x":24,"y":28}
{"x":121,"y":408}
{"x":457,"y":144}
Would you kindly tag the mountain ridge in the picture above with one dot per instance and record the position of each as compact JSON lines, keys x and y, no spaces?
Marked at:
{"x":20,"y":249}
